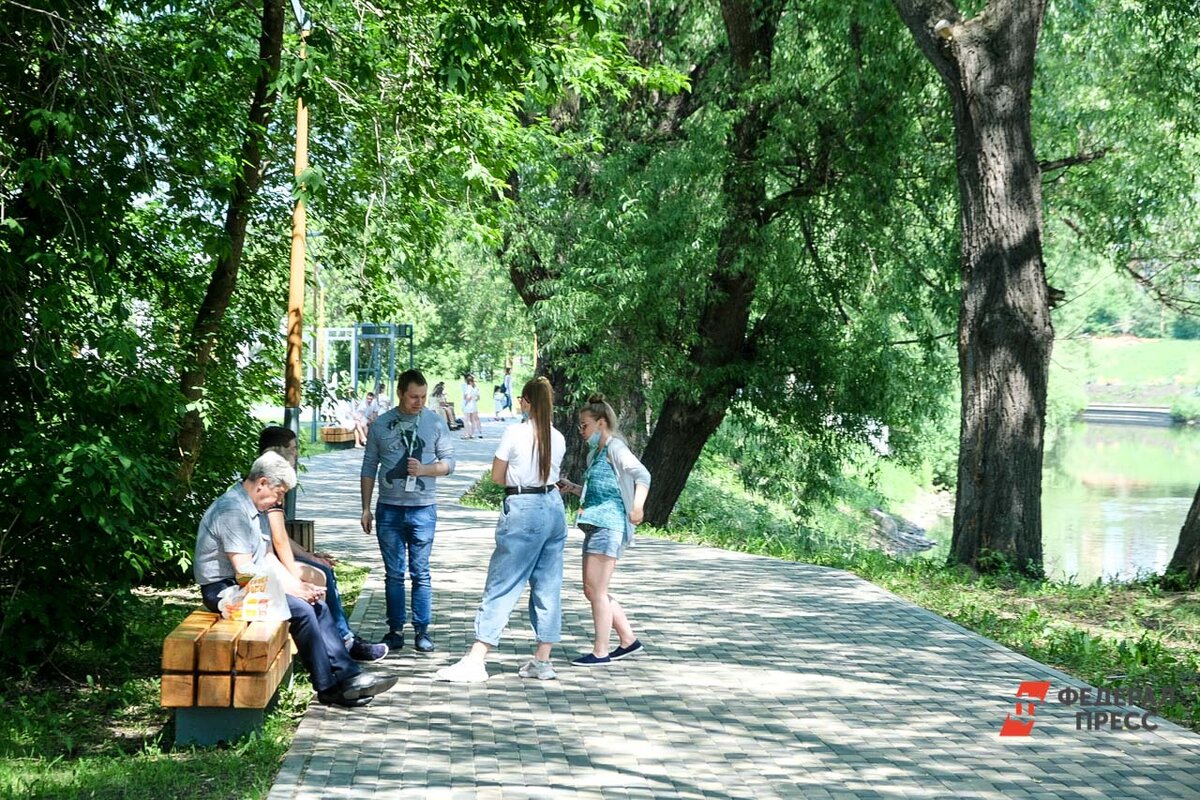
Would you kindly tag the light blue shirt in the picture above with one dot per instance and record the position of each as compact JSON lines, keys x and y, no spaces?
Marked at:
{"x":230,"y":525}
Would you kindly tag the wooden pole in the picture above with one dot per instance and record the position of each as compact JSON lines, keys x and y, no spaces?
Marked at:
{"x":295,"y":325}
{"x":296,"y":281}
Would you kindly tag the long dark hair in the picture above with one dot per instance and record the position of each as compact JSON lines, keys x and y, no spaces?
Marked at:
{"x":539,"y":394}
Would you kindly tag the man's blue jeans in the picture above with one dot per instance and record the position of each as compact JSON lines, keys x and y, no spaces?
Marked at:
{"x":406,"y":540}
{"x":530,"y":535}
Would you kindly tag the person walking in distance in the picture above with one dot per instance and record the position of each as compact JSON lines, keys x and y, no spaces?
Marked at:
{"x":530,"y":536}
{"x":612,"y":499}
{"x":408,"y":449}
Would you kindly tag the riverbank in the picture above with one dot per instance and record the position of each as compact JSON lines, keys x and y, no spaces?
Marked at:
{"x":1126,"y":370}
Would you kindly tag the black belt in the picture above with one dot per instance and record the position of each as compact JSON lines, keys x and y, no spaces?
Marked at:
{"x":529,"y":489}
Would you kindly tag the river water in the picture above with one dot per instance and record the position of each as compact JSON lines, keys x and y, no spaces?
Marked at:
{"x":1113,"y":500}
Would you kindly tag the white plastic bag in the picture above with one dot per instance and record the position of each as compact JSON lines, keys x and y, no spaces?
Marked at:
{"x":260,"y":598}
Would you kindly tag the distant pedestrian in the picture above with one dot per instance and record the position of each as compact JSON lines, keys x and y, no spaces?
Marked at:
{"x":530,"y":535}
{"x":508,"y":390}
{"x":611,"y":504}
{"x":471,"y":408}
{"x":498,"y":398}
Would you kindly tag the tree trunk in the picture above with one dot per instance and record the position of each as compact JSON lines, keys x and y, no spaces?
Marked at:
{"x":687,"y":420}
{"x":679,"y":437}
{"x":1184,"y":570}
{"x":223,"y":283}
{"x":1005,"y":332}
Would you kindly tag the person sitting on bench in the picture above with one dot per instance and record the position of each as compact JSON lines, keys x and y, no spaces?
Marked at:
{"x":277,"y":439}
{"x":444,"y":406}
{"x":232,"y":539}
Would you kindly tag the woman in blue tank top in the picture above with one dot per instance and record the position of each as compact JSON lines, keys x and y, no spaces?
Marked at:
{"x":612,"y":499}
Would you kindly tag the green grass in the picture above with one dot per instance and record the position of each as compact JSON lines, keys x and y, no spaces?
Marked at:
{"x":1096,"y":631}
{"x":89,"y":725}
{"x":1127,"y":370}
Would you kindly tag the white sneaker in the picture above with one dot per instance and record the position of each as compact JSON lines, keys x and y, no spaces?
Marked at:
{"x":542,"y":670}
{"x":466,"y":670}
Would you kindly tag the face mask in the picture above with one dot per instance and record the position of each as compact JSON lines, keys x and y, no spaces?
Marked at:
{"x":524,"y":416}
{"x":594,"y":439}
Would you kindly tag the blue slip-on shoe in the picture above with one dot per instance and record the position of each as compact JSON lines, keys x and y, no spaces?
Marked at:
{"x":362,"y":650}
{"x":625,"y":652}
{"x":591,"y":660}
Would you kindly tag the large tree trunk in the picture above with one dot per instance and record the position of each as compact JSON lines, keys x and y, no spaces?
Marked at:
{"x":1184,"y":570}
{"x":688,"y":419}
{"x":1005,"y":332}
{"x":223,"y":283}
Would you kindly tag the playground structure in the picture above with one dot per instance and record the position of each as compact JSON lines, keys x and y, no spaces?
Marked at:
{"x":363,"y":355}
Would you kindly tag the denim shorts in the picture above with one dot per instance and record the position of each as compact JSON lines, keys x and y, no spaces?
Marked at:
{"x":602,"y":541}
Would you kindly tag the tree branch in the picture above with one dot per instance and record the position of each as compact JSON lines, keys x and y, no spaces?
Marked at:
{"x":1071,"y":161}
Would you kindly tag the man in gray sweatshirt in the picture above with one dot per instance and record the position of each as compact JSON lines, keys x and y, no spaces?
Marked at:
{"x":408,"y":448}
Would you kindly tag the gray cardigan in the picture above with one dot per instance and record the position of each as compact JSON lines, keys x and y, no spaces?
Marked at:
{"x":629,"y":472}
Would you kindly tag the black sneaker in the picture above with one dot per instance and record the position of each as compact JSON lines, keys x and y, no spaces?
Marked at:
{"x":423,"y":643}
{"x":362,"y":650}
{"x":591,"y":660}
{"x":625,"y":652}
{"x":394,"y":641}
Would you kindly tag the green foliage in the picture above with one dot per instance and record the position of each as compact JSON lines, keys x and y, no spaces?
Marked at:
{"x":1112,"y":90}
{"x":1186,"y":410}
{"x":624,"y":239}
{"x":484,"y":494}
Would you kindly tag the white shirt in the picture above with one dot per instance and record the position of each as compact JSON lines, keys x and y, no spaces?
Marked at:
{"x":516,"y":448}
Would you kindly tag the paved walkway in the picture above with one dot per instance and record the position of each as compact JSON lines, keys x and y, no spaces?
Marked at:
{"x":762,"y":679}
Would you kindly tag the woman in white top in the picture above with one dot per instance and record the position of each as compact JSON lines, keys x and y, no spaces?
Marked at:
{"x":530,"y":536}
{"x":471,"y":409}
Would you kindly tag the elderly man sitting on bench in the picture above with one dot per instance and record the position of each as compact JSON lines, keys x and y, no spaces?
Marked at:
{"x":233,"y":539}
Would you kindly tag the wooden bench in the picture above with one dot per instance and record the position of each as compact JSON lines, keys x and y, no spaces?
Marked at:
{"x":222,"y":676}
{"x":337,"y":438}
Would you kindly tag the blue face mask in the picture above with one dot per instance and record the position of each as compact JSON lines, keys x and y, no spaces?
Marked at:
{"x":594,"y":439}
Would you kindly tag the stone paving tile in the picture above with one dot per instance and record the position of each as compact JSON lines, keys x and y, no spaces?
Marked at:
{"x":761,"y":679}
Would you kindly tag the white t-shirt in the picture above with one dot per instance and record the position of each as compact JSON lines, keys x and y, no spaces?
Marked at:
{"x":516,"y":448}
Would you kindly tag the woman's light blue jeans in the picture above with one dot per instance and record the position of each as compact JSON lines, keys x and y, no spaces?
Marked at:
{"x":530,"y":536}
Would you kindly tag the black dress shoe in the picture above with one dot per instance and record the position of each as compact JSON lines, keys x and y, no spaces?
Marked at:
{"x":363,"y":685}
{"x":331,"y":698}
{"x":423,"y":643}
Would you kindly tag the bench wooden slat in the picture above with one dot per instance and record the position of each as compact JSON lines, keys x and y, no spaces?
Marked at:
{"x":215,"y":691}
{"x":218,"y":644}
{"x":258,"y":645}
{"x":178,"y":690}
{"x":255,"y":690}
{"x":179,"y":648}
